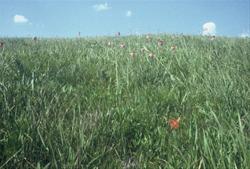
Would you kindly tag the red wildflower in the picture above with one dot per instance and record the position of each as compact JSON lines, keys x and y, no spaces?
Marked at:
{"x":174,"y":123}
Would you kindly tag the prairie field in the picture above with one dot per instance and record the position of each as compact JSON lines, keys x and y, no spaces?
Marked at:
{"x":109,"y":102}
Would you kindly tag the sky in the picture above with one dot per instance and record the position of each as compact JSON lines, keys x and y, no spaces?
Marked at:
{"x":65,"y":18}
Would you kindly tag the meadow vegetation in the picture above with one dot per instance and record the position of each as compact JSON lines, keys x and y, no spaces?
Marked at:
{"x":92,"y":103}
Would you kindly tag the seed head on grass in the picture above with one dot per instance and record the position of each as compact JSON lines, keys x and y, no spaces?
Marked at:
{"x":151,"y":55}
{"x":173,"y":48}
{"x":144,"y":49}
{"x":35,"y":38}
{"x":132,"y":54}
{"x":122,"y":45}
{"x":212,"y":38}
{"x":118,"y":34}
{"x":109,"y":44}
{"x":149,"y":38}
{"x":160,"y":42}
{"x":1,"y":44}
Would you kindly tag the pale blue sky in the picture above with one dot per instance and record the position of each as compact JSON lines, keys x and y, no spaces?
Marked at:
{"x":65,"y":18}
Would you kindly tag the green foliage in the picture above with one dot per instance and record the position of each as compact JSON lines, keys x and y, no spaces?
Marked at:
{"x":81,"y":103}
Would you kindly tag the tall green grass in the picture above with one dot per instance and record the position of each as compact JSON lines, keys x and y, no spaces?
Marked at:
{"x":79,"y":103}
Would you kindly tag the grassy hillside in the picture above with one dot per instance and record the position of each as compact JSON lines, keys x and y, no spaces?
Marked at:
{"x":94,"y":103}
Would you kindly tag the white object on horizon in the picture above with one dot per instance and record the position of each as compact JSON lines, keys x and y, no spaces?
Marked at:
{"x":129,"y":13}
{"x":209,"y":28}
{"x":20,"y":19}
{"x":102,"y":7}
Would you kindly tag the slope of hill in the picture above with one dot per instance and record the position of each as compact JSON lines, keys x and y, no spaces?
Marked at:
{"x":108,"y":102}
